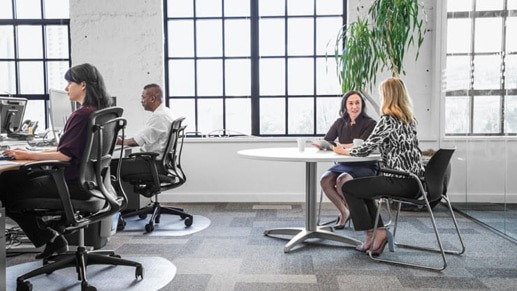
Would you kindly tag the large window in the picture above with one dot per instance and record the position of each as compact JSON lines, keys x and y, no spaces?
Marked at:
{"x":256,"y":67}
{"x":481,"y":74}
{"x":34,"y":51}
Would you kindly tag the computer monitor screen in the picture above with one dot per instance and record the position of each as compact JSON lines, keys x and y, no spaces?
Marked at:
{"x":12,"y":110}
{"x":60,"y":108}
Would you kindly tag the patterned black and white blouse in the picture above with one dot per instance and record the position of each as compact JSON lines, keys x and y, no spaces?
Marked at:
{"x":398,"y":144}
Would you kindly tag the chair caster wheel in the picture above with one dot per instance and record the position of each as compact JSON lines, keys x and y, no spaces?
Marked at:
{"x":24,"y":286}
{"x":121,"y":224}
{"x":139,"y":272}
{"x":142,"y":215}
{"x":87,"y":287}
{"x":149,"y":227}
{"x":188,"y":221}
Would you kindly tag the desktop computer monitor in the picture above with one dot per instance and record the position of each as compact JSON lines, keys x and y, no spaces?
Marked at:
{"x":60,"y":108}
{"x":12,"y":110}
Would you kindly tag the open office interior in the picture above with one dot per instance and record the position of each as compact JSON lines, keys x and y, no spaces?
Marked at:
{"x":463,"y":87}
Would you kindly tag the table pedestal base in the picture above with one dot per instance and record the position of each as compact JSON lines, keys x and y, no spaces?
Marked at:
{"x":302,"y":234}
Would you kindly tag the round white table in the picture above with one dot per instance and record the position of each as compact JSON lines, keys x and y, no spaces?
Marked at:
{"x":311,"y":156}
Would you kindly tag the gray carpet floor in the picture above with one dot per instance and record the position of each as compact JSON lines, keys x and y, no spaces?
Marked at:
{"x":233,"y":254}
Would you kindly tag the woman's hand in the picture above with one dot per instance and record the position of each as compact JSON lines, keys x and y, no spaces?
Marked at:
{"x":18,"y":154}
{"x":340,"y":149}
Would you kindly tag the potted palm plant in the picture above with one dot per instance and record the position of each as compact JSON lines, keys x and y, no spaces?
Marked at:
{"x":378,"y":41}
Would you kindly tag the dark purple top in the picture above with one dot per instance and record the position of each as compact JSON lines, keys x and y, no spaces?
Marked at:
{"x":73,"y":140}
{"x":346,"y":133}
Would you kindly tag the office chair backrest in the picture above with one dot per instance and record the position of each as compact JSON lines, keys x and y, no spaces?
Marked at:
{"x":94,"y":175}
{"x":172,"y":141}
{"x":435,"y":173}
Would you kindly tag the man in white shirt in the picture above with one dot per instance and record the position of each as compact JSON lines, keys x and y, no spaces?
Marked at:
{"x":153,"y":138}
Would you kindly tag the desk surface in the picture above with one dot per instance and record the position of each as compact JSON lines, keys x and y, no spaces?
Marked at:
{"x":309,"y":155}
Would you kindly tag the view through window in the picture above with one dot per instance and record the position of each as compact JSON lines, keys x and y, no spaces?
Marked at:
{"x":253,"y":67}
{"x":481,"y":67}
{"x":34,"y":51}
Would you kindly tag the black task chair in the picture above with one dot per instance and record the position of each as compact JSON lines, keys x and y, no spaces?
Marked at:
{"x":431,"y":190}
{"x":161,"y":175}
{"x":65,"y":215}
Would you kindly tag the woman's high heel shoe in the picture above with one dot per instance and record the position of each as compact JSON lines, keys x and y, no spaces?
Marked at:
{"x":388,"y":240}
{"x":342,"y":226}
{"x":363,"y":247}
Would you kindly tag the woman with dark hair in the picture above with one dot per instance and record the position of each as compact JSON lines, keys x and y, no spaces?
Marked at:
{"x":396,"y":138}
{"x":354,"y":123}
{"x":85,"y":86}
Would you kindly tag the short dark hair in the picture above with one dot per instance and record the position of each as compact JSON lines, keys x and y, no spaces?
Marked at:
{"x":96,"y":94}
{"x":157,"y":90}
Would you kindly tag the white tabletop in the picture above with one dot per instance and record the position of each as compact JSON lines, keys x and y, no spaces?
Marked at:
{"x":310,"y":154}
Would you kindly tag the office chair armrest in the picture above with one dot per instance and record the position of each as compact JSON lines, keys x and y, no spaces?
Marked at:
{"x":420,"y":180}
{"x":55,"y":169}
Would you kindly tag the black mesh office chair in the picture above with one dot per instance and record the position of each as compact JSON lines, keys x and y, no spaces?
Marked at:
{"x":431,"y":191}
{"x":66,"y":215}
{"x":162,"y":175}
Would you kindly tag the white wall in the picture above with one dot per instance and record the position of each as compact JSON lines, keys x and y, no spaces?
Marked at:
{"x":124,"y":39}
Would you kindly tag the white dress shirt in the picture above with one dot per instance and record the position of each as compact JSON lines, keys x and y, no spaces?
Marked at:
{"x":153,"y":138}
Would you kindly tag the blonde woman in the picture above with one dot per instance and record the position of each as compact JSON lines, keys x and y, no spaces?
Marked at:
{"x":396,"y":137}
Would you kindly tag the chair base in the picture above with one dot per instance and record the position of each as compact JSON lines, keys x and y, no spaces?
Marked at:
{"x":79,"y":259}
{"x":156,"y":210}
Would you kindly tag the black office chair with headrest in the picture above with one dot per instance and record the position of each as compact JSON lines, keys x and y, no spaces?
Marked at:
{"x":66,"y":215}
{"x":431,"y":191}
{"x":161,"y":175}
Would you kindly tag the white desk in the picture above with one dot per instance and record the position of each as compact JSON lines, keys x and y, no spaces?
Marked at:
{"x":311,"y":156}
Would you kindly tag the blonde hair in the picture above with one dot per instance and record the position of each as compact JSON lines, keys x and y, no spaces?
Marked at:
{"x":395,"y":100}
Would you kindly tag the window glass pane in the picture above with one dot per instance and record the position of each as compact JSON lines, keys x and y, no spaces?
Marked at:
{"x":327,"y":111}
{"x":457,"y":74}
{"x":301,"y":116}
{"x":271,"y":37}
{"x":300,"y":78}
{"x":459,"y":5}
{"x":56,"y":9}
{"x":185,"y":108}
{"x":30,"y":44}
{"x":487,"y":72}
{"x":206,"y":8}
{"x":31,"y":77}
{"x":181,"y":38}
{"x":209,"y":78}
{"x":7,"y":78}
{"x":511,"y":114}
{"x":300,"y":7}
{"x":484,"y":5}
{"x":181,"y":78}
{"x":57,"y":41}
{"x":326,"y":33}
{"x":457,"y":115}
{"x":458,"y":35}
{"x":6,"y":42}
{"x":271,"y":7}
{"x":300,"y":36}
{"x":237,"y":78}
{"x":511,"y":71}
{"x":512,"y":5}
{"x":238,"y":115}
{"x":236,"y":8}
{"x":272,"y":76}
{"x":7,"y":9}
{"x":56,"y":74}
{"x":209,"y":38}
{"x":511,"y":30}
{"x":237,"y":38}
{"x":28,"y":9}
{"x":486,"y":114}
{"x":272,"y":116}
{"x":331,"y":7}
{"x":35,"y":111}
{"x":180,"y":8}
{"x":488,"y":35}
{"x":210,"y":115}
{"x":327,"y":81}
